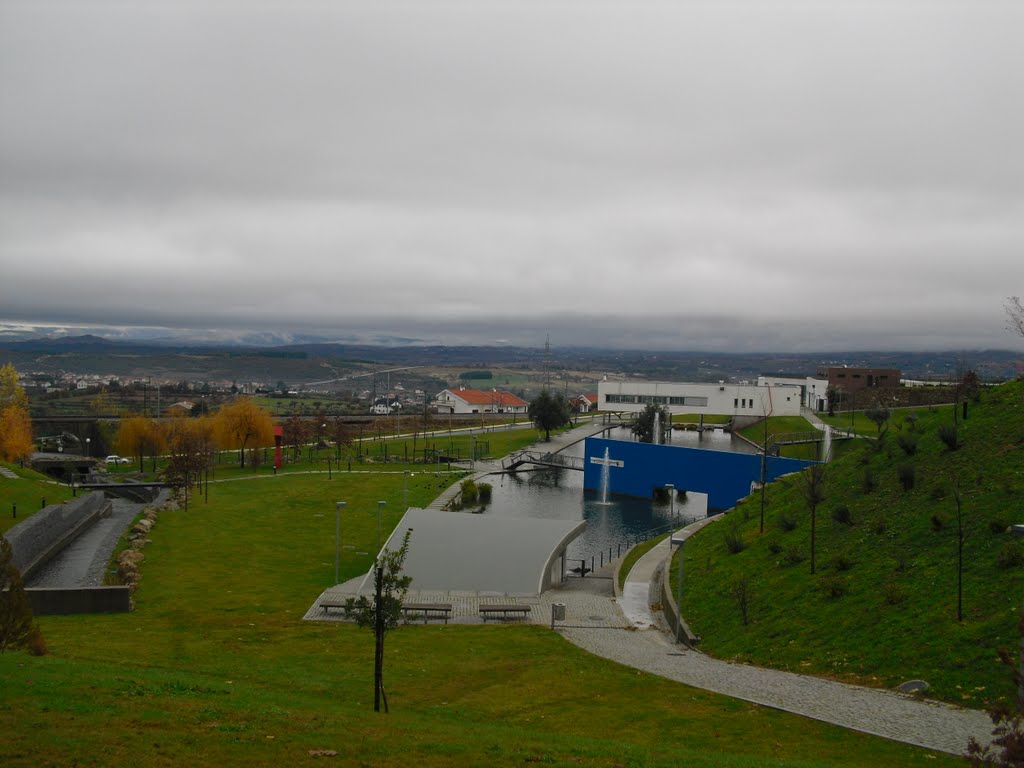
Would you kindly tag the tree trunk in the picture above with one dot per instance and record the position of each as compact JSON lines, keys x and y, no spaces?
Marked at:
{"x":813,"y":521}
{"x":378,"y":630}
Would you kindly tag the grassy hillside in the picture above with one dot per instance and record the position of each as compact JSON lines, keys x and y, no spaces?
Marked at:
{"x":882,"y":605}
{"x":26,"y":494}
{"x":216,"y":667}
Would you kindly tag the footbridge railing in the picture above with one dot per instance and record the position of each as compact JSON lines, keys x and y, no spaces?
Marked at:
{"x":515,"y":461}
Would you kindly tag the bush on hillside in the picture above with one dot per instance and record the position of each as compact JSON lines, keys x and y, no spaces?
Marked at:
{"x":948,"y":435}
{"x":868,"y":481}
{"x":794,"y":556}
{"x":734,"y":540}
{"x":908,"y":443}
{"x":907,"y":475}
{"x":833,"y":586}
{"x":787,"y":522}
{"x":484,"y":491}
{"x":842,"y":562}
{"x":893,"y":593}
{"x":1010,"y":556}
{"x":998,"y":525}
{"x":880,"y":525}
{"x":841,"y":514}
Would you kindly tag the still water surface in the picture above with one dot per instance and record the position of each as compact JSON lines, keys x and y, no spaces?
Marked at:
{"x":558,"y":494}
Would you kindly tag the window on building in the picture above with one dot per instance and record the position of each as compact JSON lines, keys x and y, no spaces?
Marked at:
{"x":735,"y":402}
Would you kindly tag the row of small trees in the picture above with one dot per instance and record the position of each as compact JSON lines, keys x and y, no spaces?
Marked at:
{"x":239,"y":425}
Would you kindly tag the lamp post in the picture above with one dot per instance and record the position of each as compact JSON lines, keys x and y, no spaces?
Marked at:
{"x":405,"y":489}
{"x":474,"y":451}
{"x":337,"y":536}
{"x":380,"y":509}
{"x":679,"y":587}
{"x":671,"y":500}
{"x":88,"y":449}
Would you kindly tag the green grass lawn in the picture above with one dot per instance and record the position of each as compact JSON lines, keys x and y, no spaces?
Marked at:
{"x":881,"y":607}
{"x":215,"y":667}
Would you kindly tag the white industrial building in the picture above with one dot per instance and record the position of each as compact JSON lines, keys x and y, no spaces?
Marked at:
{"x":813,"y":389}
{"x":737,"y":400}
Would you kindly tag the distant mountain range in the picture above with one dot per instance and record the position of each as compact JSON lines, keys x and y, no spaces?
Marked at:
{"x":301,"y":358}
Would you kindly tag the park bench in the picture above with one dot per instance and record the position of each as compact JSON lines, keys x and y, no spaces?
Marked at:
{"x":487,"y":611}
{"x":428,"y":611}
{"x":326,"y":604}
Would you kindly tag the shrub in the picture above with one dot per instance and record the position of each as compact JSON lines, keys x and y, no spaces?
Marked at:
{"x":775,"y":547}
{"x":740,"y":591}
{"x":947,"y":434}
{"x":907,"y":475}
{"x":880,"y":525}
{"x":908,"y":443}
{"x":484,"y":491}
{"x":893,"y":593}
{"x":997,"y":525}
{"x":468,"y":493}
{"x":938,"y":522}
{"x":833,"y":586}
{"x":938,"y":492}
{"x":868,"y":481}
{"x":794,"y":556}
{"x":1010,"y":556}
{"x":35,"y":642}
{"x":910,"y":421}
{"x":841,"y":514}
{"x":787,"y":522}
{"x":734,"y":540}
{"x":842,"y":562}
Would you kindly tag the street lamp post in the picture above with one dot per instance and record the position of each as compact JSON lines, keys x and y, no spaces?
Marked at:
{"x":671,"y":501}
{"x":380,"y":509}
{"x":405,"y":490}
{"x":679,"y":588}
{"x":88,"y":448}
{"x":337,"y":537}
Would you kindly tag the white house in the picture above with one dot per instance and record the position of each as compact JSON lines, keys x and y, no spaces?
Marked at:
{"x":812,"y":388}
{"x":720,"y":399}
{"x":464,"y":400}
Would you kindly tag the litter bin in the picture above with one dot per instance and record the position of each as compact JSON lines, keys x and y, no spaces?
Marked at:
{"x":557,"y":613}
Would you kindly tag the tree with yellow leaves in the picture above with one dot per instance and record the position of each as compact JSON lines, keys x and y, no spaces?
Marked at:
{"x":243,"y":424}
{"x":15,"y":425}
{"x":139,"y":436}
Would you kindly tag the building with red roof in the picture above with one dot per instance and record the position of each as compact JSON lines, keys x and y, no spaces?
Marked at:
{"x":463,"y":400}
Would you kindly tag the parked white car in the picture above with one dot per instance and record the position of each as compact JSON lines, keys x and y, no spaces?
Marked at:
{"x":116,"y":460}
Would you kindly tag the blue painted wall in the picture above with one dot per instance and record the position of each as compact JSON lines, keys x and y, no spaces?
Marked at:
{"x":724,"y":476}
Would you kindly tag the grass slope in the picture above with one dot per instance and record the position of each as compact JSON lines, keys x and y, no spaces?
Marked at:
{"x":215,"y":667}
{"x":26,"y":494}
{"x":895,"y":563}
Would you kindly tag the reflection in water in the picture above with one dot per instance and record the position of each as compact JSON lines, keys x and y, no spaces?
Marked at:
{"x":554,"y":493}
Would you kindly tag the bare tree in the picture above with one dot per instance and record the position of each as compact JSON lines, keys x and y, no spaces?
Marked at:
{"x":814,"y":494}
{"x":385,"y":611}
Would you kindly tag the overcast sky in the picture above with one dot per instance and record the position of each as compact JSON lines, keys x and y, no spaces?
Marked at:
{"x":733,"y":176}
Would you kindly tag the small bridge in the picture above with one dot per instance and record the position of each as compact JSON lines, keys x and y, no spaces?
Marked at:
{"x":514,"y":462}
{"x":776,"y":441}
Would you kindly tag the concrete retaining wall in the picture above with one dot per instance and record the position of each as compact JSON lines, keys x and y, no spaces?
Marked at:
{"x":59,"y":601}
{"x":36,"y":540}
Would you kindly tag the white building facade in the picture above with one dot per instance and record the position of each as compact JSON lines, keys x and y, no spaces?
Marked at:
{"x":720,"y":399}
{"x":813,"y":389}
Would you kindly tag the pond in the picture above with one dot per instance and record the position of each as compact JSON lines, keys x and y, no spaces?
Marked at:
{"x":558,"y":494}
